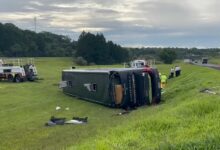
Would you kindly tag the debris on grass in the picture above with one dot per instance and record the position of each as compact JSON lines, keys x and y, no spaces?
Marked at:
{"x":61,"y":121}
{"x":50,"y":124}
{"x":122,"y":113}
{"x":77,"y":120}
{"x":81,"y":119}
{"x":208,"y":91}
{"x":55,"y":121}
{"x":58,"y":108}
{"x":74,"y":122}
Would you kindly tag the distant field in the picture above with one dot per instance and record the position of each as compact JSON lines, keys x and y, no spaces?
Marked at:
{"x":186,"y":119}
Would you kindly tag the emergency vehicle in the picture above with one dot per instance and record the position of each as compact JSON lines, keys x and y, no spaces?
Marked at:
{"x":14,"y":70}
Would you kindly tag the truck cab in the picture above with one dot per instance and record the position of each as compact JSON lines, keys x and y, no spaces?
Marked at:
{"x":138,"y":64}
{"x":30,"y":71}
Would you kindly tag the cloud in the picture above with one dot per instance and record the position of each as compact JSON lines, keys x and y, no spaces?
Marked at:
{"x":186,"y":23}
{"x":37,"y":3}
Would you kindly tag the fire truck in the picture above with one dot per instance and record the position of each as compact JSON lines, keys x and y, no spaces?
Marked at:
{"x":17,"y":70}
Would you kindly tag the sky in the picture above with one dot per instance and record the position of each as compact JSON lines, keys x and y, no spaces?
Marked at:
{"x":131,"y":23}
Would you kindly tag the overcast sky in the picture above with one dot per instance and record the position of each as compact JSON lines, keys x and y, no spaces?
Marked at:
{"x":175,"y":23}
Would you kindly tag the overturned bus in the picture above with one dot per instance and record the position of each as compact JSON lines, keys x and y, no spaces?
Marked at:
{"x":125,"y":87}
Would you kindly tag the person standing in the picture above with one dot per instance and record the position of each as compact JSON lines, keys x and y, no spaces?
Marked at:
{"x":163,"y":81}
{"x":177,"y":71}
{"x":172,"y":70}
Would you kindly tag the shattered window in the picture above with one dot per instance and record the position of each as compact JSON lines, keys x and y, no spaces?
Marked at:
{"x":94,"y":87}
{"x":69,"y":84}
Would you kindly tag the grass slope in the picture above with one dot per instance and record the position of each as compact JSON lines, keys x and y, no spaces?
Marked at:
{"x":215,"y":60}
{"x":186,"y":119}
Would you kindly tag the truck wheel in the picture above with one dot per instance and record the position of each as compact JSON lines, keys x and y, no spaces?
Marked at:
{"x":17,"y":78}
{"x":31,"y":78}
{"x":10,"y":78}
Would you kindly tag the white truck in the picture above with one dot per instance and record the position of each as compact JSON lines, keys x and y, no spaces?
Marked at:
{"x":16,"y":72}
{"x":140,"y":63}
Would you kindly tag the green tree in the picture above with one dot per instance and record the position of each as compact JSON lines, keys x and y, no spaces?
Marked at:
{"x":16,"y":50}
{"x":16,"y":42}
{"x":95,"y":49}
{"x":168,"y":56}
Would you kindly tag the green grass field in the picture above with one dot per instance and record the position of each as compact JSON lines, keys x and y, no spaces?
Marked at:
{"x":186,"y":118}
{"x":215,"y":60}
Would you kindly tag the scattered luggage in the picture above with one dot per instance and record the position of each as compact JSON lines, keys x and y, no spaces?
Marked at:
{"x":55,"y":121}
{"x":77,"y":120}
{"x":61,"y":121}
{"x":208,"y":91}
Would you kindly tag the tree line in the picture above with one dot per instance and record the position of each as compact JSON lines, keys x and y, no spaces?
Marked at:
{"x":89,"y":48}
{"x":15,"y":42}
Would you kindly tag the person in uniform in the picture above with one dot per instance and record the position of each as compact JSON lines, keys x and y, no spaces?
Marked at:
{"x":163,"y":81}
{"x":172,"y":70}
{"x":177,"y":71}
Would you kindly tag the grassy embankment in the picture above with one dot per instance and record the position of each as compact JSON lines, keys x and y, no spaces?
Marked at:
{"x":215,"y":60}
{"x":185,"y":119}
